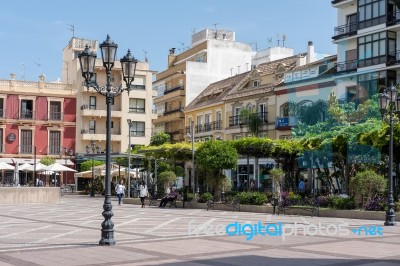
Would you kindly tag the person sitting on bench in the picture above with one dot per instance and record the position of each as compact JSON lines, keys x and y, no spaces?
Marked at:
{"x":169,"y":197}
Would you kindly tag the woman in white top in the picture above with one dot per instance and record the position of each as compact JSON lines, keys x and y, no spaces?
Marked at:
{"x":120,"y":190}
{"x":143,"y":192}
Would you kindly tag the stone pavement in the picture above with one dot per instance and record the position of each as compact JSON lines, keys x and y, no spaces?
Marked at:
{"x":67,"y":233}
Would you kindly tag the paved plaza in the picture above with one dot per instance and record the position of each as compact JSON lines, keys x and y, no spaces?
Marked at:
{"x":67,"y":233}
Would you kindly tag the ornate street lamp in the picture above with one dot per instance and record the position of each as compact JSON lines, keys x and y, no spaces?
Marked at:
{"x":389,"y":104}
{"x":92,"y":149}
{"x":130,"y":124}
{"x":87,"y":60}
{"x":69,"y":153}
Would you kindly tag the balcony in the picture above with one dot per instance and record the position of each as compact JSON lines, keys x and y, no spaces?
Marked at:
{"x":393,"y":19}
{"x":334,"y":2}
{"x":347,"y":65}
{"x":286,"y":122}
{"x":239,"y":120}
{"x":26,"y":115}
{"x":172,"y":110}
{"x":207,"y":127}
{"x":346,"y":30}
{"x":138,"y":87}
{"x":100,"y":134}
{"x":176,"y":88}
{"x":25,"y":149}
{"x":55,"y":116}
{"x":95,"y":111}
{"x":393,"y":58}
{"x":54,"y":150}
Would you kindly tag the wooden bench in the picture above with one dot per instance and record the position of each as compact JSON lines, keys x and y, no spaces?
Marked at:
{"x":155,"y":201}
{"x":234,"y":203}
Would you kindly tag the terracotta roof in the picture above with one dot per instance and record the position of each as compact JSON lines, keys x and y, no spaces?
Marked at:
{"x":326,"y":59}
{"x":281,"y":65}
{"x":216,"y":91}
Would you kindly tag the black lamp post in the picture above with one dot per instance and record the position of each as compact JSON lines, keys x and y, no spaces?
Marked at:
{"x":389,"y":104}
{"x":92,"y":149}
{"x":67,"y":153}
{"x":87,"y":60}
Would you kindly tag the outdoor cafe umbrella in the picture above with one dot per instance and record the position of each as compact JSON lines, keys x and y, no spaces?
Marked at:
{"x":5,"y":166}
{"x":56,"y":167}
{"x":25,"y":167}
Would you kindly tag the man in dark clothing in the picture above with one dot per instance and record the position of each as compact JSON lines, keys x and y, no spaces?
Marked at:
{"x":170,"y":197}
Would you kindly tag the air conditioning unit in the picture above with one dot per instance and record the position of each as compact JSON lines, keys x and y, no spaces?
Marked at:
{"x":84,"y":131}
{"x":85,"y":106}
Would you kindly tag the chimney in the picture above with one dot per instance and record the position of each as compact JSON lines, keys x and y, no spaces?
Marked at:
{"x":171,"y":57}
{"x":310,"y":53}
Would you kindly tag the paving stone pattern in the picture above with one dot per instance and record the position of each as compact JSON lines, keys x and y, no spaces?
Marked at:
{"x":67,"y":233}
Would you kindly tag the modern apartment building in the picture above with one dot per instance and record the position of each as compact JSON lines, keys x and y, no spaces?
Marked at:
{"x":91,"y":106}
{"x":367,"y":38}
{"x":214,"y":55}
{"x":37,"y":119}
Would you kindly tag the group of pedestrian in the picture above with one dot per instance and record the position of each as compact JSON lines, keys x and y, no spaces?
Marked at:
{"x":120,"y":191}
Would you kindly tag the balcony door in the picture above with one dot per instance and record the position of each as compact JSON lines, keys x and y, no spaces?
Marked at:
{"x":26,"y":109}
{"x":55,"y":111}
{"x":26,"y":142}
{"x":351,"y":22}
{"x":55,"y":142}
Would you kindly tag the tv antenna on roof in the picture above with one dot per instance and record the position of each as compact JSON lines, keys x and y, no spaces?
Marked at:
{"x":284,"y":37}
{"x":269,"y":41}
{"x":39,"y":65}
{"x":216,"y":31}
{"x":277,"y":38}
{"x":145,"y":56}
{"x":183,"y":46}
{"x":72,"y":28}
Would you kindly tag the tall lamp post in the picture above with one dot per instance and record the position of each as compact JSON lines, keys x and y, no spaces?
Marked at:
{"x":91,"y":150}
{"x":191,"y":136}
{"x":389,"y":104}
{"x":87,"y":60}
{"x":130,"y":123}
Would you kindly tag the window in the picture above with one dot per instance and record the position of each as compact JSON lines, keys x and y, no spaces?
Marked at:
{"x":190,"y":126}
{"x":372,"y":83}
{"x":54,"y":142}
{"x":26,"y":142}
{"x":237,"y":136}
{"x":262,"y":112}
{"x":2,"y":108}
{"x":256,"y":83}
{"x":136,"y":105}
{"x":236,"y":117}
{"x":137,"y":129}
{"x":372,"y":49}
{"x":55,"y":111}
{"x":219,"y":120}
{"x":92,"y":102}
{"x":284,"y":110}
{"x":199,"y":123}
{"x":26,"y":109}
{"x":92,"y":127}
{"x":207,"y":122}
{"x":371,"y":13}
{"x":1,"y":141}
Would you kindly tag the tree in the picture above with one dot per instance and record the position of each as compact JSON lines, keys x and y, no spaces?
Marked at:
{"x":47,"y":160}
{"x":87,"y":165}
{"x":214,"y":157}
{"x":276,"y":176}
{"x":160,"y":138}
{"x":166,"y":179}
{"x":367,"y":184}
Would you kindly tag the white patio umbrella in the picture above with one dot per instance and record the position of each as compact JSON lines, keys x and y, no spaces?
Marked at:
{"x":56,"y":167}
{"x":5,"y":166}
{"x":25,"y":168}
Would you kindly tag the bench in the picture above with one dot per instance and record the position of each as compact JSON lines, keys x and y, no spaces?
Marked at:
{"x":313,"y":209}
{"x":155,"y":201}
{"x":233,"y":203}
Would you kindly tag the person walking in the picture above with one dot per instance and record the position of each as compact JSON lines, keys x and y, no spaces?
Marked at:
{"x":120,"y":190}
{"x":143,"y":192}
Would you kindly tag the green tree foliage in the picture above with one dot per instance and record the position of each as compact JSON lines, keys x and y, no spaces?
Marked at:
{"x":276,"y":175}
{"x":367,"y":184}
{"x":252,"y":120}
{"x":160,"y":138}
{"x":47,"y":160}
{"x":214,"y":156}
{"x":166,"y":179}
{"x":87,"y":165}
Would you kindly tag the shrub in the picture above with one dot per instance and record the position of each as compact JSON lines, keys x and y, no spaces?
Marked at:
{"x":375,"y":204}
{"x":254,"y":198}
{"x":343,"y":203}
{"x":367,"y":184}
{"x":397,"y":206}
{"x":205,"y":197}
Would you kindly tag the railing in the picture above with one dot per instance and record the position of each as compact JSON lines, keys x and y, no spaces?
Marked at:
{"x":207,"y":127}
{"x":97,"y":131}
{"x":179,"y":87}
{"x":25,"y":149}
{"x":393,"y":58}
{"x":356,"y":101}
{"x":55,"y":116}
{"x":347,"y":65}
{"x":393,"y":18}
{"x":26,"y":115}
{"x":345,"y":30}
{"x":167,"y":112}
{"x":138,"y":87}
{"x":240,"y":120}
{"x":54,"y":150}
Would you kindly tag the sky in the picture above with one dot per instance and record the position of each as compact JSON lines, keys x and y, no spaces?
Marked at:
{"x":34,"y":33}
